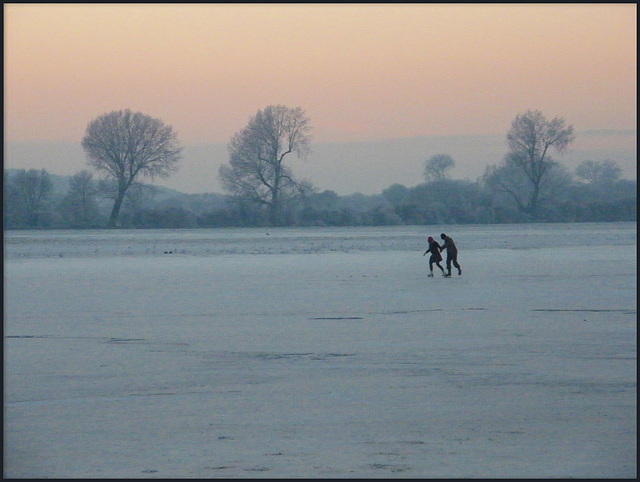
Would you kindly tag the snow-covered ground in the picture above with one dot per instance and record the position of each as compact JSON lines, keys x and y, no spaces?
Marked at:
{"x":321,"y":353}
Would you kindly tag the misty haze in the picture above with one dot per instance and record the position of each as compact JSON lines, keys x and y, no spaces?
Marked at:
{"x":347,"y":167}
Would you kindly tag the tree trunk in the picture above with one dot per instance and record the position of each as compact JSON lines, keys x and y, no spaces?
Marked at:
{"x":274,"y":212}
{"x":274,"y":206}
{"x":533,"y":202}
{"x":116,"y":209}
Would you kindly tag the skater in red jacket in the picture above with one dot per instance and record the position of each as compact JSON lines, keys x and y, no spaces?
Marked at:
{"x":436,"y":257}
{"x":452,"y":254}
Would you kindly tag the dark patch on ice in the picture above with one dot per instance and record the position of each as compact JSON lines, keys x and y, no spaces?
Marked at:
{"x":125,"y":340}
{"x":279,"y":356}
{"x":626,"y":312}
{"x":310,"y":356}
{"x":257,"y":469}
{"x":406,"y":312}
{"x":337,"y":318}
{"x":323,"y":356}
{"x":390,"y":467}
{"x":154,"y":394}
{"x":56,"y":337}
{"x":589,"y":388}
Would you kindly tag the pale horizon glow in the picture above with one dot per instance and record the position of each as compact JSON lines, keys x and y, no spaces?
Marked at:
{"x":362,"y":72}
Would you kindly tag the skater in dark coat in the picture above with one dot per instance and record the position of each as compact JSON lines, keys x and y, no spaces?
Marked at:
{"x":452,"y":254}
{"x":436,"y":257}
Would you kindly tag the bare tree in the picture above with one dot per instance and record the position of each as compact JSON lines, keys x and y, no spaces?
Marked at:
{"x":256,"y":171}
{"x":435,"y":167}
{"x":33,"y":188}
{"x":80,"y":204}
{"x":599,"y":172}
{"x":10,"y":202}
{"x":511,"y":181}
{"x":528,"y":174}
{"x":396,"y":194}
{"x":126,"y":145}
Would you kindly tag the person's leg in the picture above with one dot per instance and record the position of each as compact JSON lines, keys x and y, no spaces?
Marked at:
{"x":431,"y":267}
{"x":456,"y":264}
{"x":448,"y":264}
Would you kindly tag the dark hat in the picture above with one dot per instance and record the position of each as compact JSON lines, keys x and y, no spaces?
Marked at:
{"x":443,"y":235}
{"x":429,"y":239}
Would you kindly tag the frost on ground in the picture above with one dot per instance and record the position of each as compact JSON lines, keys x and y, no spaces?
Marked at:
{"x":321,"y":353}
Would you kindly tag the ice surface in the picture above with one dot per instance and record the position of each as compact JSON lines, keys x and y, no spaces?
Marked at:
{"x":321,"y":353}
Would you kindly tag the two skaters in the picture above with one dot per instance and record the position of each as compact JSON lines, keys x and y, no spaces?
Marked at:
{"x":452,"y":255}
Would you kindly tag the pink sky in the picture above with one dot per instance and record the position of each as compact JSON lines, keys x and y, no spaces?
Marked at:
{"x":361,"y":71}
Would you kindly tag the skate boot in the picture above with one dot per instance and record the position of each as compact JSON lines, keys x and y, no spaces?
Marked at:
{"x":459,"y":271}
{"x":430,"y":275}
{"x":447,"y":275}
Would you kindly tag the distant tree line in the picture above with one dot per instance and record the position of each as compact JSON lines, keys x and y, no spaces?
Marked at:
{"x":261,"y":190}
{"x":30,"y":202}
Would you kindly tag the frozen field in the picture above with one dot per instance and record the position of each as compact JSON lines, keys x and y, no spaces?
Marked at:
{"x":321,"y":353}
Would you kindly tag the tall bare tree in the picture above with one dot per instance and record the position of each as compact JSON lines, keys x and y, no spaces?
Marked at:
{"x":436,"y":167}
{"x":125,"y":145}
{"x":528,"y":174}
{"x":257,"y":172}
